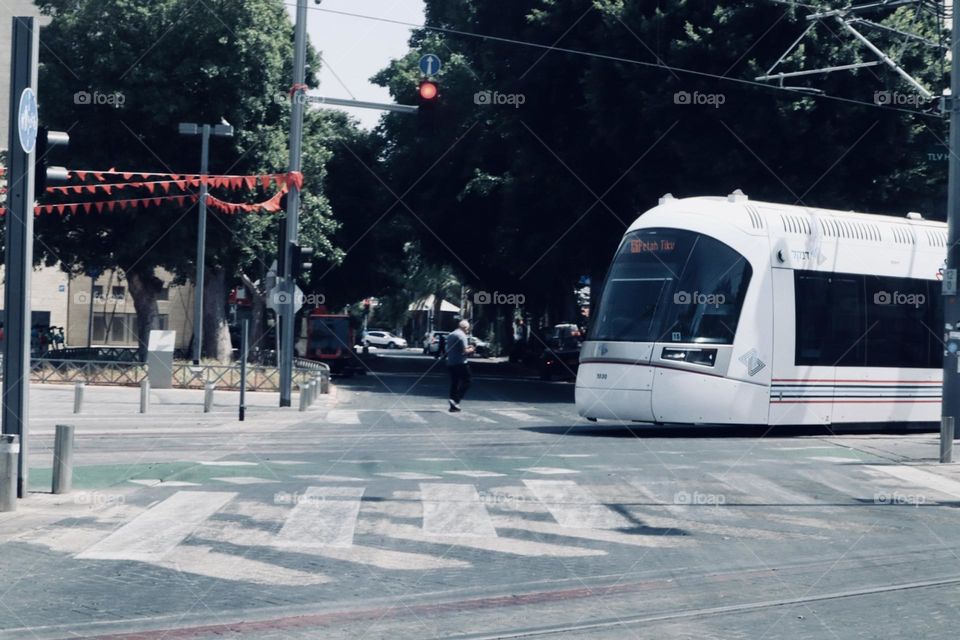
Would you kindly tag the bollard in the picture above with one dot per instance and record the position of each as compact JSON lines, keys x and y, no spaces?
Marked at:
{"x":313,"y":391}
{"x":946,"y":439}
{"x":144,"y":395}
{"x":325,"y":382}
{"x":304,"y":401}
{"x":63,"y":459}
{"x":9,"y":460}
{"x":78,"y":397}
{"x":208,"y":397}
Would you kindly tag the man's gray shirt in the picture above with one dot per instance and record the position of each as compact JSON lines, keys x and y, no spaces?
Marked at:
{"x":456,"y":346}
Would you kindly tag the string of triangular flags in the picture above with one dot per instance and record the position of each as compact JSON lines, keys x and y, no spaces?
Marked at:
{"x":168,"y":180}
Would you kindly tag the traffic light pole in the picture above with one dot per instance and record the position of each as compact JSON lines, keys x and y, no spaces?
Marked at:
{"x":201,"y":247}
{"x":19,"y":240}
{"x":288,"y":315}
{"x":951,"y":303}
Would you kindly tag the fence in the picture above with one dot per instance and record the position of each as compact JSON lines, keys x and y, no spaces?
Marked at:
{"x":185,"y":375}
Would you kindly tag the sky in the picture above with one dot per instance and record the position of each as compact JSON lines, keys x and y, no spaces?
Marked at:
{"x":354,"y":49}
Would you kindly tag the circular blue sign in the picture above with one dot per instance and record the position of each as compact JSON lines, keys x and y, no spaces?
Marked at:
{"x":28,"y":120}
{"x":430,"y":64}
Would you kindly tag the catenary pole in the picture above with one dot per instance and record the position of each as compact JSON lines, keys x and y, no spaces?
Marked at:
{"x":951,"y":303}
{"x":298,"y":103}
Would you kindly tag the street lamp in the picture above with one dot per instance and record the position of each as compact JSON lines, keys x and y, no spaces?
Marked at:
{"x":225,"y":130}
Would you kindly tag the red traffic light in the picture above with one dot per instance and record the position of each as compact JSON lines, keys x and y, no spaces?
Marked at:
{"x":428,"y":90}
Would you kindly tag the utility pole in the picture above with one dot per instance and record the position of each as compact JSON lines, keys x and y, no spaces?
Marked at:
{"x":22,"y":139}
{"x":298,"y":103}
{"x":951,"y":303}
{"x":191,"y":129}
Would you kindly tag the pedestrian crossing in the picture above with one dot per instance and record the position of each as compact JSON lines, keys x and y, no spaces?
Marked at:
{"x":402,"y":415}
{"x":338,"y":518}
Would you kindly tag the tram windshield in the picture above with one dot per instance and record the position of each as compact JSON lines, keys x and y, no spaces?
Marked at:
{"x":671,"y":285}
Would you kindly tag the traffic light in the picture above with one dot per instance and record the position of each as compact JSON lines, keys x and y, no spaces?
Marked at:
{"x":45,"y":175}
{"x":300,"y":260}
{"x":428,"y":91}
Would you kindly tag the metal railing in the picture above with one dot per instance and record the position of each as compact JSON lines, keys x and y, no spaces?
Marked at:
{"x":185,"y":375}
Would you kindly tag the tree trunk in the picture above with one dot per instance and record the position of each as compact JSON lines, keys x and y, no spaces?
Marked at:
{"x":216,"y":332}
{"x":144,"y":289}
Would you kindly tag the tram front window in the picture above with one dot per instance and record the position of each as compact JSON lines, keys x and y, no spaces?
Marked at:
{"x":670,"y":285}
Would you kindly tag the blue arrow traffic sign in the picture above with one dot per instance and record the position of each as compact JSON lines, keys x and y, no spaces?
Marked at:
{"x":430,"y":64}
{"x":28,"y":120}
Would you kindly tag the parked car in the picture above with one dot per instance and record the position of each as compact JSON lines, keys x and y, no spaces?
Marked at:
{"x":561,"y":356}
{"x":432,"y":342}
{"x":383,"y":339}
{"x":481,"y":347}
{"x":559,"y":363}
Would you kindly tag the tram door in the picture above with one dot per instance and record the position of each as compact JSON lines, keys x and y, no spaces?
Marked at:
{"x":801,"y":389}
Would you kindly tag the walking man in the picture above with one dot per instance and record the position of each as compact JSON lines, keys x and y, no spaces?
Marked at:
{"x":458,"y":348}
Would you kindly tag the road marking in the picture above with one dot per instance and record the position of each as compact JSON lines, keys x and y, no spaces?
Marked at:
{"x":512,"y":414}
{"x":601,"y":535}
{"x":409,"y":475}
{"x":244,"y":480}
{"x":322,"y":517}
{"x":150,"y":482}
{"x":407,"y":417}
{"x":471,"y":417}
{"x":249,"y":538}
{"x":342,"y":416}
{"x":758,"y":490}
{"x":573,"y":506}
{"x":436,"y":459}
{"x":571,"y":455}
{"x":476,"y":474}
{"x":329,"y":478}
{"x":361,"y":461}
{"x":454,"y":510}
{"x":206,"y":562}
{"x":291,"y":462}
{"x":227,"y":463}
{"x":497,"y":545}
{"x":158,"y":530}
{"x":548,"y":471}
{"x":919,"y":477}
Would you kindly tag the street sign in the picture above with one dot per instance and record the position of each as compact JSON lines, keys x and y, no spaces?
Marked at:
{"x":280,"y":299}
{"x":28,"y":120}
{"x":430,"y":64}
{"x":950,"y":282}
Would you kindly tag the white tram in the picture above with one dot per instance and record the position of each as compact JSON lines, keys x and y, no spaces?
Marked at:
{"x":730,"y":311}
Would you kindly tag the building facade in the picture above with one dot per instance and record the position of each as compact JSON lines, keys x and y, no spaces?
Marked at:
{"x":100,"y":312}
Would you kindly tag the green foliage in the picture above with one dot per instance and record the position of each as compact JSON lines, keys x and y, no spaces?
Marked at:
{"x":527,"y":199}
{"x":176,"y":61}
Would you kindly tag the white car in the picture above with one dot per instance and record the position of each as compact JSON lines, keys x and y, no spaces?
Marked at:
{"x":383,"y":339}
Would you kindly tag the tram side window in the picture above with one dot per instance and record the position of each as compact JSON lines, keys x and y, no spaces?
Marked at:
{"x":901,"y":320}
{"x":850,"y":320}
{"x":830,"y":319}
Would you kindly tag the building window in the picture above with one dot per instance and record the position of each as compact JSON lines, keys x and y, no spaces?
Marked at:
{"x":119,"y":329}
{"x":118,"y":293}
{"x":98,"y":292}
{"x":164,"y":294}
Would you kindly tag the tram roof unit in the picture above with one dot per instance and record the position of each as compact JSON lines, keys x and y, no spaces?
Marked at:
{"x":782,"y":220}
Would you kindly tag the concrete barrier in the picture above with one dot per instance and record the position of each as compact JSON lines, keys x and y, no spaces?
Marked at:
{"x":78,"y":397}
{"x":63,"y":459}
{"x":208,"y":388}
{"x":9,"y":462}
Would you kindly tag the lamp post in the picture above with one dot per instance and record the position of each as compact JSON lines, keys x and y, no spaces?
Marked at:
{"x":224,"y":129}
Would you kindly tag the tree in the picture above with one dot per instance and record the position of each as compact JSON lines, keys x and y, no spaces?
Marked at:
{"x":171,"y":61}
{"x":528,"y":194}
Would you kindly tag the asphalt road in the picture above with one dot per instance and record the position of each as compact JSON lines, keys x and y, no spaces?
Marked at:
{"x":378,"y":514}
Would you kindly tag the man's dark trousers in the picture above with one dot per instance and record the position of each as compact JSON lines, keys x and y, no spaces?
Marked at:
{"x":459,"y":381}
